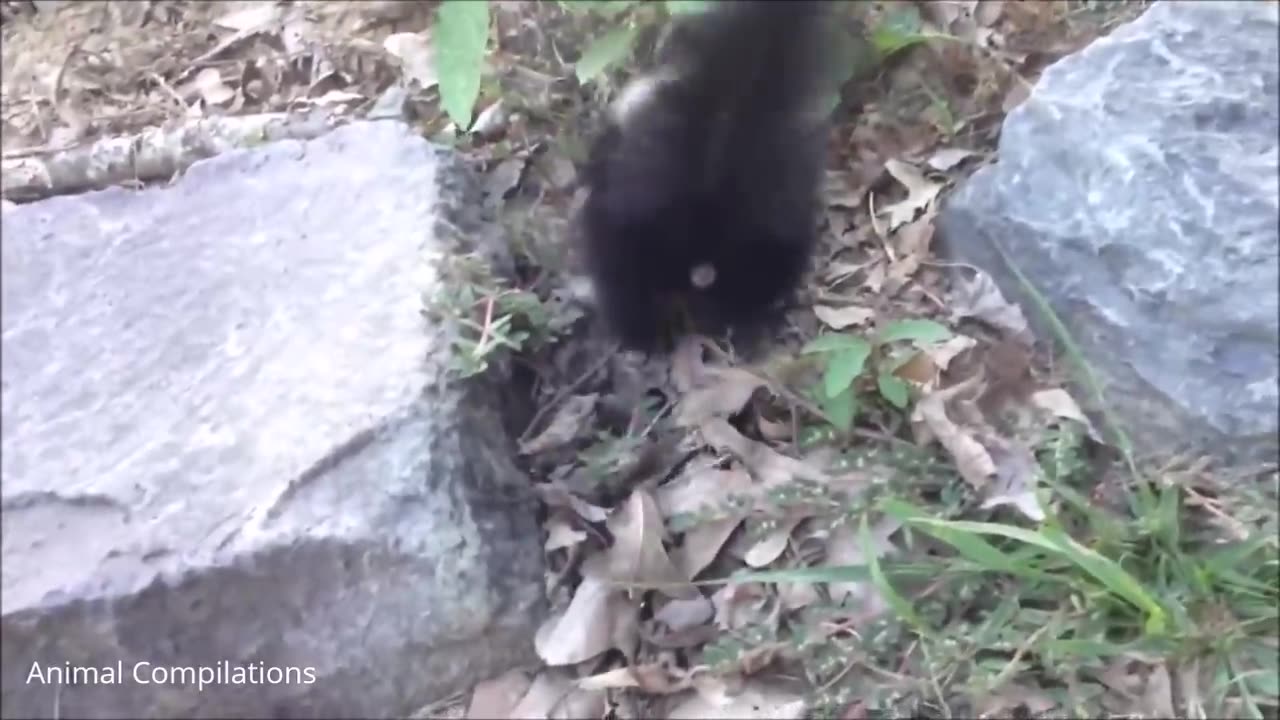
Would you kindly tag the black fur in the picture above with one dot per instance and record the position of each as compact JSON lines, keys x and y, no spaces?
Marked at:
{"x":721,"y":164}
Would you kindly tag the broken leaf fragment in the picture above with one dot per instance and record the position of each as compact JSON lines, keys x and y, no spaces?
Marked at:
{"x":979,"y":297}
{"x":770,"y":547}
{"x":921,"y":194}
{"x":752,"y":702}
{"x":497,"y":697}
{"x":839,"y":318}
{"x":972,"y":459}
{"x":585,"y":628}
{"x":417,"y":61}
{"x":726,"y":394}
{"x":638,"y":556}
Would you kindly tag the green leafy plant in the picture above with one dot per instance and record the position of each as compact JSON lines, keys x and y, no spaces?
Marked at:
{"x":847,"y":357}
{"x":616,"y":44}
{"x":898,"y":30}
{"x":460,"y":36}
{"x":482,"y":317}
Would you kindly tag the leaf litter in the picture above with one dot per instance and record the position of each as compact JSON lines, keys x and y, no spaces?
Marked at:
{"x":745,"y":503}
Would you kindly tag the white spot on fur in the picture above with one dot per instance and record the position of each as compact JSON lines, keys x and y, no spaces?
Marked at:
{"x":703,"y":275}
{"x":636,"y":95}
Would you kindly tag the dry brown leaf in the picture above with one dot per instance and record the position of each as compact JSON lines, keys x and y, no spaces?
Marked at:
{"x":944,"y":12}
{"x":715,"y":688}
{"x":944,"y":352}
{"x":257,"y":16}
{"x":987,"y":12}
{"x":921,"y":193}
{"x":920,"y":369}
{"x":913,"y":241}
{"x":1059,"y":403}
{"x":947,"y":158}
{"x":208,"y":84}
{"x":835,"y":271}
{"x":708,"y":390}
{"x":626,"y":629}
{"x":874,"y":280}
{"x":638,"y":556}
{"x":949,"y":16}
{"x":757,"y":658}
{"x":544,"y":694}
{"x":497,"y":697}
{"x":561,"y":534}
{"x":1011,"y":695}
{"x":492,"y":121}
{"x":739,"y":605}
{"x":574,"y":417}
{"x":843,"y":317}
{"x":1007,"y":368}
{"x":557,"y":167}
{"x":973,"y":33}
{"x":772,"y":467}
{"x":980,"y":297}
{"x":1017,"y":477}
{"x":845,"y":548}
{"x":754,"y":701}
{"x":1143,"y":688}
{"x":298,"y":33}
{"x":729,"y":390}
{"x":702,"y":545}
{"x":972,"y":460}
{"x":1018,"y":93}
{"x":843,"y":190}
{"x":703,"y":490}
{"x":856,"y":710}
{"x":682,"y":614}
{"x":585,"y":628}
{"x":1189,"y":687}
{"x":688,"y":371}
{"x":797,"y":595}
{"x":333,"y":98}
{"x":770,"y":547}
{"x":777,"y":431}
{"x":610,"y":680}
{"x":1157,"y":699}
{"x":556,"y":495}
{"x":507,"y":175}
{"x":581,"y":703}
{"x":839,"y":222}
{"x":658,"y":678}
{"x":663,"y":677}
{"x":912,"y":248}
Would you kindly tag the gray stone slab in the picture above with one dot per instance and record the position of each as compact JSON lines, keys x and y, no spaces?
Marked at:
{"x":226,"y":446}
{"x":1137,"y":189}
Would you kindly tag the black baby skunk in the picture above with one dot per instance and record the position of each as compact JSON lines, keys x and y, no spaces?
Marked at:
{"x":702,"y":191}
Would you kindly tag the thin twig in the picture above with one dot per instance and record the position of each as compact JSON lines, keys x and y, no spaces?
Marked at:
{"x":568,"y":390}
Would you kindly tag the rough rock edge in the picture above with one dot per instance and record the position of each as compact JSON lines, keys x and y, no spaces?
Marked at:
{"x":493,"y":486}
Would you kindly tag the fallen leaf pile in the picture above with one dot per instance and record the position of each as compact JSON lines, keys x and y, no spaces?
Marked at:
{"x":650,"y":619}
{"x":653,"y":614}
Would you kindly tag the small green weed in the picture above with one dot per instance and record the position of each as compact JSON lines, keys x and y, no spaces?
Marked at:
{"x":847,"y":359}
{"x":481,"y":316}
{"x":461,"y":36}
